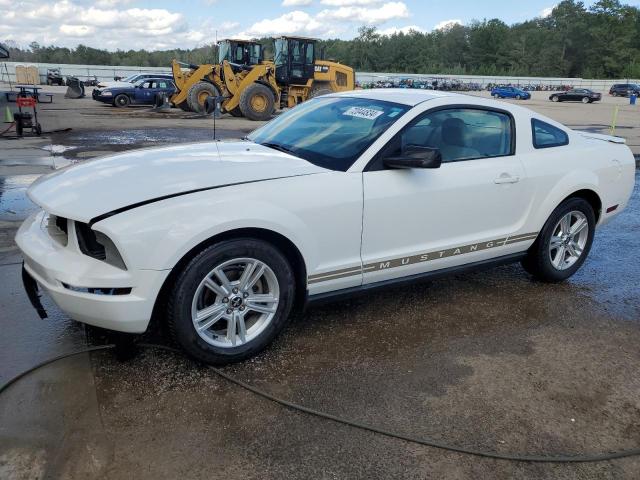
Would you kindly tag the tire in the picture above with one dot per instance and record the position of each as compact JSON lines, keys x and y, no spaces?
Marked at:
{"x":555,"y":98}
{"x":319,"y":90}
{"x":214,"y":344}
{"x":518,"y":97}
{"x":236,"y":112}
{"x":19,"y":128}
{"x":257,"y":102}
{"x":539,"y":259}
{"x":586,"y":100}
{"x":121,"y":101}
{"x":495,"y":96}
{"x":198,"y":94}
{"x":615,"y":94}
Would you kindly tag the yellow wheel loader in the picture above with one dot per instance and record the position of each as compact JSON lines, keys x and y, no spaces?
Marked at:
{"x":254,"y":88}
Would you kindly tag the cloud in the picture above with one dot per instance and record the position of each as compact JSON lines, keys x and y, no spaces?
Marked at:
{"x":296,"y":3}
{"x":109,"y":24}
{"x":296,"y":22}
{"x":77,"y":30}
{"x":369,"y":16}
{"x":545,"y":12}
{"x":346,"y":3}
{"x":446,"y":24}
{"x":405,"y":30}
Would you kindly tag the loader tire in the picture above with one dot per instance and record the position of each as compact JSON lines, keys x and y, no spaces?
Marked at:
{"x":257,"y":102}
{"x":198,"y":95}
{"x":236,"y":112}
{"x":319,"y":90}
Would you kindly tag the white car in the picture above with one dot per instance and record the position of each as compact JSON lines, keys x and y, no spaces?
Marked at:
{"x":341,"y":194}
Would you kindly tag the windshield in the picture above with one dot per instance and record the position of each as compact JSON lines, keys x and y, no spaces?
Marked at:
{"x":280,"y":51}
{"x":223,"y":51}
{"x":331,"y":132}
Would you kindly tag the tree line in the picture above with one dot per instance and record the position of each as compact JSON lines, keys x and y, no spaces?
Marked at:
{"x":602,"y":41}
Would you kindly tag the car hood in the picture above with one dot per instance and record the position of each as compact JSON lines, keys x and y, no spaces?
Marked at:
{"x":115,"y":85}
{"x":85,"y":191}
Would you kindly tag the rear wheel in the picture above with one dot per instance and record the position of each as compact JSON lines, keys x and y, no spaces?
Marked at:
{"x":236,"y":112}
{"x":564,"y":242}
{"x":198,"y":95}
{"x":231,"y":300}
{"x":586,"y":100}
{"x":257,"y":102}
{"x":121,"y":101}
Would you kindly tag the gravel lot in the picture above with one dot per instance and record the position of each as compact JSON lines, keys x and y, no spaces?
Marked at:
{"x":490,"y":360}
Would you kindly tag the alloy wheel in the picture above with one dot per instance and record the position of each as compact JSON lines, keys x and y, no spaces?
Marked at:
{"x":568,"y":240}
{"x":235,"y":302}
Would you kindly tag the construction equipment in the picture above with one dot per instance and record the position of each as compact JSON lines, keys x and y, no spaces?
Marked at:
{"x":54,"y":77}
{"x":254,"y":88}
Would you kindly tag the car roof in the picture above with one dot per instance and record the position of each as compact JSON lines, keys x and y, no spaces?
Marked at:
{"x":405,"y":96}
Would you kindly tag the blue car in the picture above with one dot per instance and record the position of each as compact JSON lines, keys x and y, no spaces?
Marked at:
{"x":141,"y":93}
{"x":510,"y":92}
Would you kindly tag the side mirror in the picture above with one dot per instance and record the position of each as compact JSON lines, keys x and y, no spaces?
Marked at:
{"x":415,"y":156}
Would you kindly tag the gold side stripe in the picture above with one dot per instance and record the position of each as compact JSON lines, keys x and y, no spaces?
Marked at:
{"x":422,"y":257}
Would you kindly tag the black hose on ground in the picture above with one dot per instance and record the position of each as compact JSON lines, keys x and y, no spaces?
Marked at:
{"x":562,"y":458}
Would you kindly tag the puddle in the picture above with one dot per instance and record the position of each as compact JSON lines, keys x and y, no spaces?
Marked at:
{"x":14,"y":204}
{"x":58,"y":149}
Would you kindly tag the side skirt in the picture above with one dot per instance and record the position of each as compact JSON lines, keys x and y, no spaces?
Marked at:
{"x":336,"y":295}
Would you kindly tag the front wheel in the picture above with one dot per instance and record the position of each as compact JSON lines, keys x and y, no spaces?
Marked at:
{"x":496,"y":96}
{"x":121,"y":101}
{"x":231,"y":300}
{"x":555,"y":98}
{"x":518,"y":97}
{"x":564,"y":242}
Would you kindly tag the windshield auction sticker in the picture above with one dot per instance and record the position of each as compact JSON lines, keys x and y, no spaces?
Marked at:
{"x":361,"y":112}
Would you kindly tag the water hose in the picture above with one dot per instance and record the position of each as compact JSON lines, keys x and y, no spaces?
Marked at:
{"x":556,"y":458}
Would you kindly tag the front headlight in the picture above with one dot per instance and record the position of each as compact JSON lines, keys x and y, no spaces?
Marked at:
{"x":106,"y":93}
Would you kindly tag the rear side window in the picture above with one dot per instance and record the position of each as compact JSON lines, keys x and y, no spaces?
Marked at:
{"x":545,"y":135}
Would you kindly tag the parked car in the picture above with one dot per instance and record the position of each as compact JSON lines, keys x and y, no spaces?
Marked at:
{"x":510,"y":92}
{"x":130,"y":81}
{"x":583,"y":95}
{"x":344,"y":193}
{"x":624,"y":89}
{"x":142,"y":93}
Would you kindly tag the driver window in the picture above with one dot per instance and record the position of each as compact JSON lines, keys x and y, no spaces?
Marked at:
{"x":459,"y":134}
{"x":146,"y":84}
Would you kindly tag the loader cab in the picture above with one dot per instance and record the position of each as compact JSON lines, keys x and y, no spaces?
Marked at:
{"x":294,"y":58}
{"x":240,"y":52}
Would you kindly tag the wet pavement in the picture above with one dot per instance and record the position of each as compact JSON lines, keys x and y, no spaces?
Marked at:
{"x":490,"y":360}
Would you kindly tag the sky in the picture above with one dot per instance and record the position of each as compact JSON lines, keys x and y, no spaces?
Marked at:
{"x":160,"y":24}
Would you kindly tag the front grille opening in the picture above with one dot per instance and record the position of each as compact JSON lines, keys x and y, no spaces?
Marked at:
{"x":58,"y":228}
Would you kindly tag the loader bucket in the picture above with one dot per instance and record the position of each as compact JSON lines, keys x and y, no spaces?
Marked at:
{"x":75,"y":88}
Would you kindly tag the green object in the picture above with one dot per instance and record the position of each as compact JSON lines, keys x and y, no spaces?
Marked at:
{"x":8,"y":115}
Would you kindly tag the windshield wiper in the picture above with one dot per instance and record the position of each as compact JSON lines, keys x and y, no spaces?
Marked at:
{"x":277,"y":146}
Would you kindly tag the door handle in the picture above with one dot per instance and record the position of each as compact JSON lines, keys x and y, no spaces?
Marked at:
{"x":506,"y":178}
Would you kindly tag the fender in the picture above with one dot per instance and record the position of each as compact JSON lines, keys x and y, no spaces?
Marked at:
{"x":577,"y":180}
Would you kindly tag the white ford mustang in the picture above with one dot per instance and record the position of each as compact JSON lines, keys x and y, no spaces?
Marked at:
{"x":343,"y":193}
